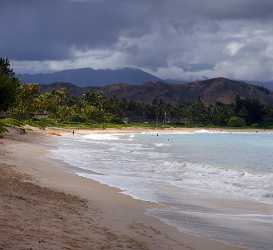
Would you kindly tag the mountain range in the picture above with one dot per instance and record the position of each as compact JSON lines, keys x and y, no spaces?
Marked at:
{"x":138,"y":85}
{"x":209,"y":91}
{"x":87,"y":77}
{"x":90,"y":77}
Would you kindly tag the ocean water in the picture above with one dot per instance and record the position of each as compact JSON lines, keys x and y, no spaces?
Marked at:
{"x":215,"y":184}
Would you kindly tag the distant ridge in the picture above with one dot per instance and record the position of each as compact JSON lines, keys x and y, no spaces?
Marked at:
{"x":216,"y":90}
{"x":90,"y":77}
{"x":267,"y":84}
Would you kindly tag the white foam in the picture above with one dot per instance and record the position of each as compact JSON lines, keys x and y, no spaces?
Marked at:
{"x":205,"y":131}
{"x":153,"y":169}
{"x":159,"y":145}
{"x":237,"y":184}
{"x":116,"y":155}
{"x":102,"y":137}
{"x":234,"y":183}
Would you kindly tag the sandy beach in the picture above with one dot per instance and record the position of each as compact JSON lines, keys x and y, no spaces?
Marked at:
{"x":45,"y":206}
{"x":64,"y":131}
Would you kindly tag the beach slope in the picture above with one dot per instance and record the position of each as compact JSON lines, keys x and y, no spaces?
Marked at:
{"x":44,"y":206}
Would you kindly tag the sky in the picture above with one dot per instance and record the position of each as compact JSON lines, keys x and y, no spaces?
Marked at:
{"x":177,"y":39}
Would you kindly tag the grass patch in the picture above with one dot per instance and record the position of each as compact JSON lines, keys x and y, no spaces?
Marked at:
{"x":111,"y":125}
{"x":2,"y":130}
{"x":10,"y":122}
{"x":42,"y":123}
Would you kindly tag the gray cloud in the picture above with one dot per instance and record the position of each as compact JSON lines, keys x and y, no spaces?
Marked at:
{"x":172,"y":38}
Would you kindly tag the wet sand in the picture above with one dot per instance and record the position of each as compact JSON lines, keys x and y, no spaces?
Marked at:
{"x":44,"y":206}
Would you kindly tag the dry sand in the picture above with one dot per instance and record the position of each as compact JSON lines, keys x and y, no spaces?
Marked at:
{"x":44,"y":206}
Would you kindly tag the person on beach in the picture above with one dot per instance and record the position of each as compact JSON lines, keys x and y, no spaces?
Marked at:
{"x":73,"y":132}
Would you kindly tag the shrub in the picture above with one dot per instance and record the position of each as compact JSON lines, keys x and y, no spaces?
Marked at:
{"x":236,"y":121}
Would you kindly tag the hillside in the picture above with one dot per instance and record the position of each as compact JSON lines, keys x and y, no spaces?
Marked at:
{"x":209,"y":91}
{"x":268,"y":84}
{"x":91,"y":77}
{"x":71,"y":88}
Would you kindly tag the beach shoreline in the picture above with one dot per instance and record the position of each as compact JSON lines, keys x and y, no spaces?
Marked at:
{"x":120,"y":219}
{"x":82,"y":131}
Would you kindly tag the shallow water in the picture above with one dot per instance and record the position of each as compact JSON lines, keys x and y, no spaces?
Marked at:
{"x":218,"y":185}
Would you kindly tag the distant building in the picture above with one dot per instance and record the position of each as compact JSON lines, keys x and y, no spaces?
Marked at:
{"x":40,"y":115}
{"x":3,"y":114}
{"x":125,"y":120}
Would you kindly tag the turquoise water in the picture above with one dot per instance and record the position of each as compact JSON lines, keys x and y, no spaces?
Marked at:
{"x":214,"y":184}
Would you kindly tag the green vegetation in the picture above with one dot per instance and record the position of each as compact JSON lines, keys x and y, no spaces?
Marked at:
{"x":25,"y":104}
{"x":8,"y":85}
{"x":236,"y":121}
{"x":2,"y":129}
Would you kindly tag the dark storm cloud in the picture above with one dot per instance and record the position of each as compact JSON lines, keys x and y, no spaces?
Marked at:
{"x":49,"y":29}
{"x":184,"y":35}
{"x":38,"y":29}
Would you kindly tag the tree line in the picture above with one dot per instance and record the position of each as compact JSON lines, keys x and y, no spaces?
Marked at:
{"x":23,"y":101}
